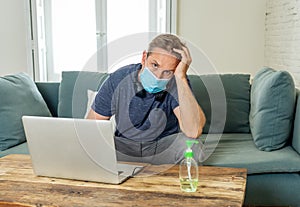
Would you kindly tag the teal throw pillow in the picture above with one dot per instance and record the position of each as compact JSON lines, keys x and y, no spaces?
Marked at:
{"x":273,"y":97}
{"x":73,"y":92}
{"x":18,"y":96}
{"x":225,"y":100}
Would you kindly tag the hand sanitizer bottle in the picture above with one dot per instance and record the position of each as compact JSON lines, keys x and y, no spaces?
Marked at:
{"x":188,"y":170}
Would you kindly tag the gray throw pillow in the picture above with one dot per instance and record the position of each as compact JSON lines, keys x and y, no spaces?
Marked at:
{"x":273,"y":97}
{"x":18,"y":96}
{"x":73,"y":92}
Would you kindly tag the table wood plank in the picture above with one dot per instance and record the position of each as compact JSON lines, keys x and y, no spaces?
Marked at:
{"x":156,"y":185}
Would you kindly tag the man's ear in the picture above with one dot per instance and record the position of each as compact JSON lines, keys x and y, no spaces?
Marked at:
{"x":144,"y":57}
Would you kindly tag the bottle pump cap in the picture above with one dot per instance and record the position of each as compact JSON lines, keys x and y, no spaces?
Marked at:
{"x":189,"y":151}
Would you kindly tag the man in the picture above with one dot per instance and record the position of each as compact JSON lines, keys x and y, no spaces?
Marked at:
{"x":152,"y":101}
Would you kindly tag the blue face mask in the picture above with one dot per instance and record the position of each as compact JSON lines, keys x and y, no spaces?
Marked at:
{"x":151,"y":83}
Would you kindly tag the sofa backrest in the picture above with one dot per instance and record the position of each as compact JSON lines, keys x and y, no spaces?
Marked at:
{"x":68,"y":98}
{"x":73,"y":92}
{"x":225,"y":100}
{"x":49,"y":91}
{"x":209,"y":90}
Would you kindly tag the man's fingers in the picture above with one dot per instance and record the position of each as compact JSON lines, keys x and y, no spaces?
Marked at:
{"x":186,"y":50}
{"x":185,"y":55}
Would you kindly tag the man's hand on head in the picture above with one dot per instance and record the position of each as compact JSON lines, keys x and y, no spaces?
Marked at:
{"x":185,"y":62}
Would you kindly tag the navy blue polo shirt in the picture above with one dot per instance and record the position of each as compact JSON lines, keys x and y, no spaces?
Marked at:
{"x":140,"y":116}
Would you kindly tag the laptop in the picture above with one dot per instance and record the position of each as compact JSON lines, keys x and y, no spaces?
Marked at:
{"x":77,"y":149}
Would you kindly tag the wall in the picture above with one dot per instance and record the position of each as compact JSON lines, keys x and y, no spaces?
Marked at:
{"x":230,"y":32}
{"x":282,"y":50}
{"x":14,"y":37}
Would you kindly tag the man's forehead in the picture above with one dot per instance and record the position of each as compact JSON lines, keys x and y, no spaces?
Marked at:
{"x":156,"y":52}
{"x":164,"y":59}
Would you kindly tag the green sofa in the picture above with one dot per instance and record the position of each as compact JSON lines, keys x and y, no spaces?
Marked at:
{"x":230,"y":136}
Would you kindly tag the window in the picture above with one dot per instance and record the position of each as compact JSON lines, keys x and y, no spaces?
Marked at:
{"x":68,"y":34}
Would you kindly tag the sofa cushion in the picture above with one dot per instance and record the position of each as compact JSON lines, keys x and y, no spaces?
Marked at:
{"x":273,"y":189}
{"x":73,"y":90}
{"x":239,"y":150}
{"x":272,"y":107}
{"x":224,"y":98}
{"x":19,"y":96}
{"x":18,"y":149}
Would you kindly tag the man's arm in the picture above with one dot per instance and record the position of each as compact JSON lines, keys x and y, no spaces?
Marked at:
{"x":93,"y":115}
{"x":189,"y":114}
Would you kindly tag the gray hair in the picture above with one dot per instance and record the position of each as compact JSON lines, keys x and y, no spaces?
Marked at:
{"x":166,"y":42}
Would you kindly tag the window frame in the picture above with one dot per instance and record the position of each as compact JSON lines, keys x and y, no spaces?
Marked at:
{"x":42,"y":59}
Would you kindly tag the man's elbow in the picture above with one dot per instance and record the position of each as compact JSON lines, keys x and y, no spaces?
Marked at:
{"x":194,"y":134}
{"x":197,"y":132}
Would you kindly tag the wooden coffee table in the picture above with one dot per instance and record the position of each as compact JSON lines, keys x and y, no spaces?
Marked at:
{"x":156,"y":185}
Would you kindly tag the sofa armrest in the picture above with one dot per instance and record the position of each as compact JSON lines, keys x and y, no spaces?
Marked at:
{"x":296,"y":132}
{"x":49,"y":91}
